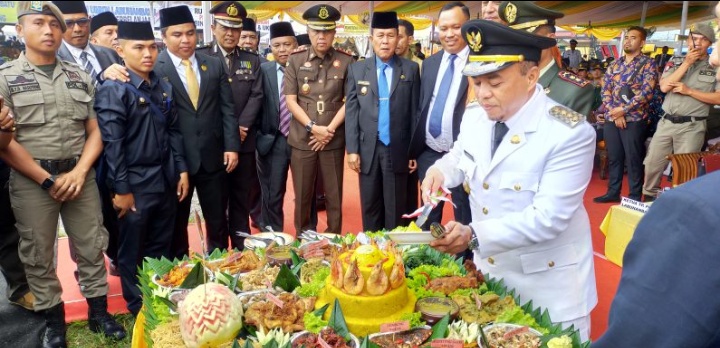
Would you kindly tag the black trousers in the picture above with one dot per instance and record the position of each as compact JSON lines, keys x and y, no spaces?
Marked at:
{"x":383,"y":193}
{"x":10,"y":264}
{"x":212,"y":192}
{"x":625,"y":146}
{"x":459,"y":197}
{"x":146,"y":232}
{"x":244,"y":193}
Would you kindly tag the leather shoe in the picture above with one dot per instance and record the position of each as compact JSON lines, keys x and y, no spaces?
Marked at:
{"x":648,"y":198}
{"x":54,"y":336}
{"x":99,"y":320}
{"x":606,"y":199}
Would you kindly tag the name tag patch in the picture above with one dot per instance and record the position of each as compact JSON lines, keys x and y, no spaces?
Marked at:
{"x":76,"y":85}
{"x":22,"y":83}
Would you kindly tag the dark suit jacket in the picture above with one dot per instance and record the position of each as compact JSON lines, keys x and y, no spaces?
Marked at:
{"x":660,"y":61}
{"x":429,"y":77}
{"x":668,"y":291}
{"x":247,"y":93}
{"x":269,"y":121}
{"x":105,"y":56}
{"x":212,"y":129}
{"x":361,"y":110}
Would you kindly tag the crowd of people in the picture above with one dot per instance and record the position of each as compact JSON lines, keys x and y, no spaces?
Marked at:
{"x":102,"y":128}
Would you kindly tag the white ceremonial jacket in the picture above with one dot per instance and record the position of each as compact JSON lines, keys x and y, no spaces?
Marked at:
{"x":527,"y":203}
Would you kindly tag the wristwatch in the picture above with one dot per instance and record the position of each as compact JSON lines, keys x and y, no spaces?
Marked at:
{"x":473,"y":244}
{"x":308,"y":127}
{"x":48,"y":183}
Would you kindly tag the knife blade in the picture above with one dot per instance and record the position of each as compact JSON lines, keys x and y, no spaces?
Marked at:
{"x":427,"y":208}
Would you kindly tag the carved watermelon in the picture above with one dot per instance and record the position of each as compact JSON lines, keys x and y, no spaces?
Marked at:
{"x":210,"y":315}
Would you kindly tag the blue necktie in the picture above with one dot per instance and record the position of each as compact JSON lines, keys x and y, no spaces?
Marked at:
{"x":384,"y":107}
{"x":439,"y":106}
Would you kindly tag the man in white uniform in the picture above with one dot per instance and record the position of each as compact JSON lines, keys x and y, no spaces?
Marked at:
{"x":526,"y":162}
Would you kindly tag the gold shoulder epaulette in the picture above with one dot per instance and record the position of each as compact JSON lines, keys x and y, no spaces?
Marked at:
{"x":300,"y":49}
{"x":566,"y":115}
{"x":572,"y":78}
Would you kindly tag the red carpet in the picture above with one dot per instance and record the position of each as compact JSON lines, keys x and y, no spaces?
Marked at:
{"x":607,"y":273}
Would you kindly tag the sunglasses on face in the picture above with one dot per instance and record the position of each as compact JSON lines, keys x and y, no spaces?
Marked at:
{"x":83,"y":22}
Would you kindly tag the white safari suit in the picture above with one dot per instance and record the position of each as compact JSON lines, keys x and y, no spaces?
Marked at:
{"x":527,"y":204}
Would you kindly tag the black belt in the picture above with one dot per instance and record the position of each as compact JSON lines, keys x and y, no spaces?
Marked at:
{"x":683,"y":119}
{"x":57,"y":167}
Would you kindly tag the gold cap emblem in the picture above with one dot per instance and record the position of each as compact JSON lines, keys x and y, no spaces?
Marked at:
{"x":474,"y":41}
{"x":232,"y":10}
{"x":511,"y":13}
{"x":323,"y":13}
{"x":515,"y":140}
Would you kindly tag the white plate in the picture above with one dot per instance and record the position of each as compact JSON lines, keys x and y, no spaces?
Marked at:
{"x":507,"y":327}
{"x":252,"y":244}
{"x":411,"y":237}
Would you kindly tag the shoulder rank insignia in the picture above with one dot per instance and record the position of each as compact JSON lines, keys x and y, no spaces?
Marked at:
{"x":206,"y":45}
{"x":566,"y":115}
{"x":343,"y":51}
{"x":300,"y":49}
{"x":245,"y":49}
{"x":572,"y":78}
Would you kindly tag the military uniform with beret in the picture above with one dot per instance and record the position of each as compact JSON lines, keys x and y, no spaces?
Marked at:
{"x":243,"y":70}
{"x":683,"y":125}
{"x":526,"y":177}
{"x":564,"y":87}
{"x":319,"y":84}
{"x":53,"y":106}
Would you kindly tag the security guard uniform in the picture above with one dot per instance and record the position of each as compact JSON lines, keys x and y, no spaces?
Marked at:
{"x":50,"y":113}
{"x":319,"y":84}
{"x":683,"y":125}
{"x":563,"y":87}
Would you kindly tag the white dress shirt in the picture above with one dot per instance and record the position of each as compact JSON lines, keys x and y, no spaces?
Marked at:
{"x":90,"y":54}
{"x":177,"y":62}
{"x":444,"y":141}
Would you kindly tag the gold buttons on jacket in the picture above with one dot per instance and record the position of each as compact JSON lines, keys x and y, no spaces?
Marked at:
{"x":551,"y":264}
{"x":486,"y":185}
{"x":491,"y":260}
{"x":485,"y":210}
{"x":517,"y":187}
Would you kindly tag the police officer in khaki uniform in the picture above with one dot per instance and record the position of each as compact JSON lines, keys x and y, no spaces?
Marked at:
{"x":57,"y":141}
{"x":563,"y":87}
{"x":691,"y":90}
{"x":315,"y":90}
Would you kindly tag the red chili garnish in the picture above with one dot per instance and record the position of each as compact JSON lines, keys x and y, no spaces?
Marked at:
{"x":426,"y":276}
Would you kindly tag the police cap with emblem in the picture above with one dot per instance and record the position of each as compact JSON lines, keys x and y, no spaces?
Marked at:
{"x":703,"y":29}
{"x":40,"y":7}
{"x":281,"y":29}
{"x":248,"y":24}
{"x":175,"y":15}
{"x":135,"y":31}
{"x":321,"y":17}
{"x":494,"y":46}
{"x":102,"y":19}
{"x":229,"y":14}
{"x":525,"y":15}
{"x":384,"y":20}
{"x":303,"y":39}
{"x":70,"y":7}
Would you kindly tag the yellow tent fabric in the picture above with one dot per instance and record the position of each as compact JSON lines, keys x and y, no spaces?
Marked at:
{"x":603,"y":34}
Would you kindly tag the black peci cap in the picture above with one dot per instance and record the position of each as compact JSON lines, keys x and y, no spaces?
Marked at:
{"x":525,"y":15}
{"x":229,"y":14}
{"x":248,"y":24}
{"x":303,"y":39}
{"x":102,"y":19}
{"x":384,"y":20}
{"x":494,"y":46}
{"x":321,"y":17}
{"x":281,"y":29}
{"x":175,"y":15}
{"x":135,"y":31}
{"x":70,"y":7}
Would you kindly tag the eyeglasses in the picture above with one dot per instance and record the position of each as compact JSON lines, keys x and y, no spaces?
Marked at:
{"x":83,"y":22}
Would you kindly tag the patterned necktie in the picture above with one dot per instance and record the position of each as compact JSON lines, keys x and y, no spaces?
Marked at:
{"x":193,"y":87}
{"x":228,"y":60}
{"x":87,"y":65}
{"x":436,"y":115}
{"x":498,"y":134}
{"x":284,"y":112}
{"x":383,"y":107}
